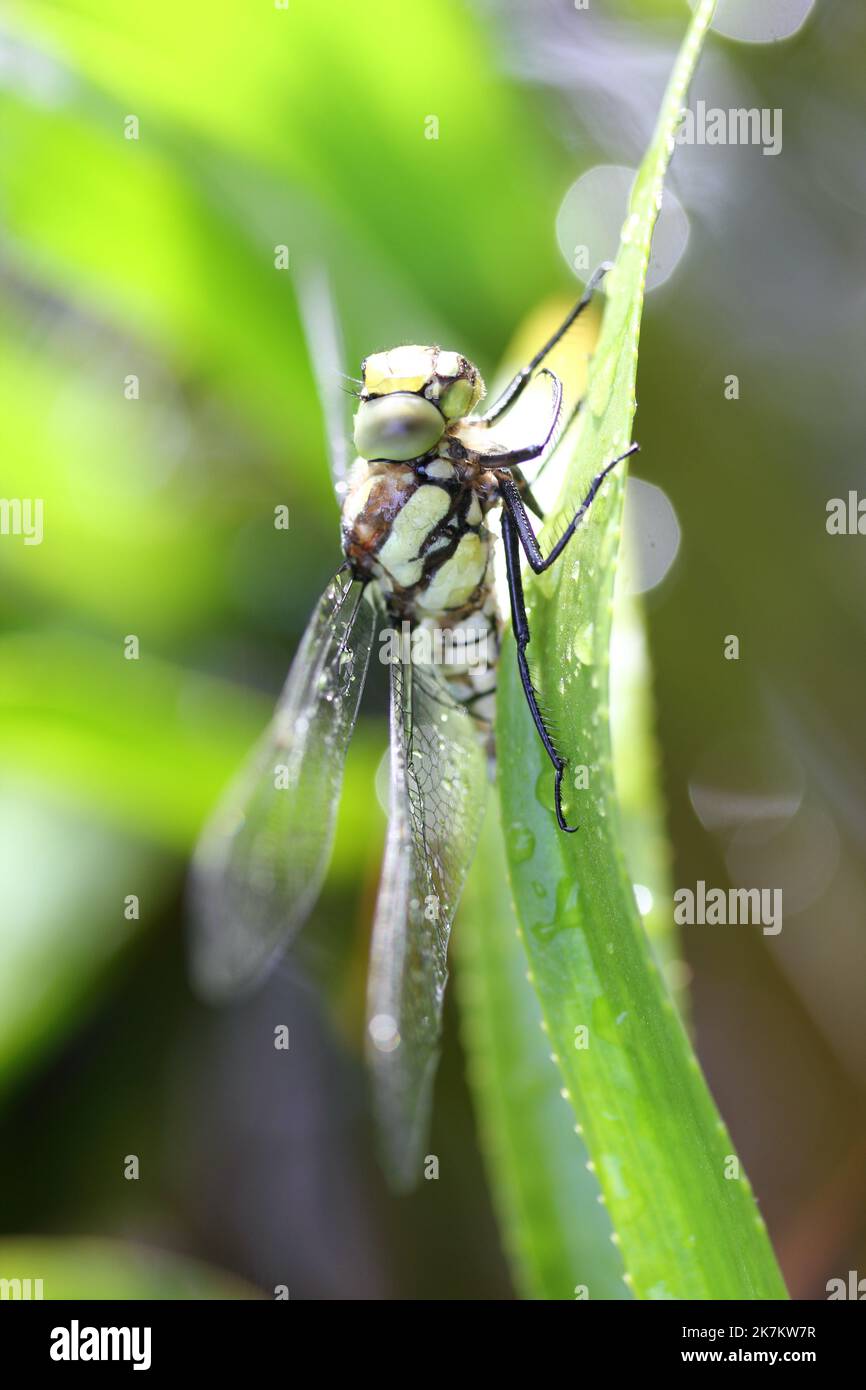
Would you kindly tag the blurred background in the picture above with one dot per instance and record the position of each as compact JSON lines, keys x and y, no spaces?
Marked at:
{"x":164,"y":172}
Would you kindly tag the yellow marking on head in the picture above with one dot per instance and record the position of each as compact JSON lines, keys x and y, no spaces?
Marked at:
{"x":442,"y":376}
{"x":400,"y":369}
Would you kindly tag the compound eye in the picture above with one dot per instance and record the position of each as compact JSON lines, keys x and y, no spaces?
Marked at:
{"x":458,"y":399}
{"x":397,"y":427}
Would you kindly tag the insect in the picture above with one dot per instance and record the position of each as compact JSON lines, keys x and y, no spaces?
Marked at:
{"x":414,"y":510}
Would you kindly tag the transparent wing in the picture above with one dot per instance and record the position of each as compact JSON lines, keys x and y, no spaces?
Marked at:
{"x":327,"y":357}
{"x":260,"y":863}
{"x":438,"y":790}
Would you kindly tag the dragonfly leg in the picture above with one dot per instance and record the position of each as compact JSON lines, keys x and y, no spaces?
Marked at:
{"x":518,"y":383}
{"x":512,"y":458}
{"x":526,"y":493}
{"x":515,"y":509}
{"x":520,"y":623}
{"x":572,"y":416}
{"x":523,"y":482}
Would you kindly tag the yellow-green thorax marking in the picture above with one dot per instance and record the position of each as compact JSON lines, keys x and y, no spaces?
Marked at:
{"x":413,"y":516}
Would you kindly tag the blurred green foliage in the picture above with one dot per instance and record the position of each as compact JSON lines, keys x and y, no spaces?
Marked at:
{"x":104,"y":1269}
{"x":261,"y":127}
{"x":154,"y":258}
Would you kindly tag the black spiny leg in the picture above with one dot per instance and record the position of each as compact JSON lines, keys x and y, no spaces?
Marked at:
{"x":528,"y":496}
{"x":520,"y":624}
{"x":514,"y":506}
{"x":516,"y":531}
{"x":512,"y":458}
{"x":518,"y":384}
{"x":526,"y":490}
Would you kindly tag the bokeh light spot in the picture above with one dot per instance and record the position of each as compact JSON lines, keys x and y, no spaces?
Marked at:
{"x":760,"y":21}
{"x":652,"y":536}
{"x":384,"y":1032}
{"x":593,"y":212}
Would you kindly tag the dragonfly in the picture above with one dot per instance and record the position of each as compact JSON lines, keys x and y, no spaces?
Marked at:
{"x":415,"y":500}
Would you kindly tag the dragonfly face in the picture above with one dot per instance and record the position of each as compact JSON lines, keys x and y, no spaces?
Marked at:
{"x":408,"y":397}
{"x":419,"y":390}
{"x":417,"y":547}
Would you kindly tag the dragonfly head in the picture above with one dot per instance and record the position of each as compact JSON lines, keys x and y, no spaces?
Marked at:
{"x":409,"y":397}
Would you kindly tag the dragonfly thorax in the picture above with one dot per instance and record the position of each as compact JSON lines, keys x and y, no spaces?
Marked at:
{"x":413,"y":517}
{"x":418,"y":529}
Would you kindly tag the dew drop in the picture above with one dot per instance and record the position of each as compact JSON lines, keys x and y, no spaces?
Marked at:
{"x":583,"y":645}
{"x":521,"y":843}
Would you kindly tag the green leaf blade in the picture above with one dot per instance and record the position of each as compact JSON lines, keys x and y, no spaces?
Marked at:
{"x":556,"y":1233}
{"x":682,"y":1210}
